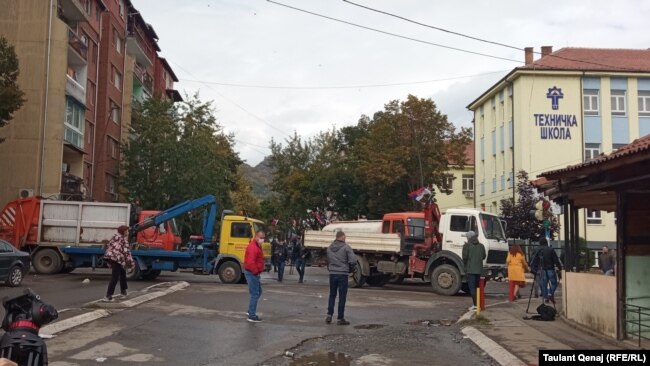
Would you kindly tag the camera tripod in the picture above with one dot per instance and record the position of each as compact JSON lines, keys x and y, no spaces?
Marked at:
{"x":535,"y":274}
{"x":24,"y":347}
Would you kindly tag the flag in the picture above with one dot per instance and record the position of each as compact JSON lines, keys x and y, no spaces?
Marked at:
{"x":420,"y":194}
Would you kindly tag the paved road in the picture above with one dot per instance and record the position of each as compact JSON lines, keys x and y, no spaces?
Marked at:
{"x":205,"y":325}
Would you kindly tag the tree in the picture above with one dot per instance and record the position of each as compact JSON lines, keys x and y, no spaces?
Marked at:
{"x":178,"y":153}
{"x":522,"y":224}
{"x":243,"y":199}
{"x":11,"y":97}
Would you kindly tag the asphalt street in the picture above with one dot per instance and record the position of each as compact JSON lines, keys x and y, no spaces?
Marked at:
{"x":205,"y":324}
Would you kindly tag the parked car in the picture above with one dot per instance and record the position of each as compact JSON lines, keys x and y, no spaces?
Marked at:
{"x":14,"y":264}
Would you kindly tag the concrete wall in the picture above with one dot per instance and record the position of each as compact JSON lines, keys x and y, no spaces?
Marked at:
{"x":590,"y":300}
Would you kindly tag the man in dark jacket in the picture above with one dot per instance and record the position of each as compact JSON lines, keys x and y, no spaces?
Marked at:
{"x":473,"y":256}
{"x":340,"y":259}
{"x":300,"y":257}
{"x":281,"y":255}
{"x":253,"y":267}
{"x":606,"y":262}
{"x":543,"y":263}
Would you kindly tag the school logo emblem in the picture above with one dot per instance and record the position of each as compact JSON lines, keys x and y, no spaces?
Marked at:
{"x":555,"y":94}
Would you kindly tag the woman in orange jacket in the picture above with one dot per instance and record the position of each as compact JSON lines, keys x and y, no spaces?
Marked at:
{"x":517,"y":267}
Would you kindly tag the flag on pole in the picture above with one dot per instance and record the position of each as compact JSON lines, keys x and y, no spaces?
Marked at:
{"x":420,"y":193}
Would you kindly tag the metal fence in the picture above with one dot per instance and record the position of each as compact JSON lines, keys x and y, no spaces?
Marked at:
{"x":637,"y":322}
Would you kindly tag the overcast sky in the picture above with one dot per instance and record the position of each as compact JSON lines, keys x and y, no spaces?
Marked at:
{"x":255,"y":42}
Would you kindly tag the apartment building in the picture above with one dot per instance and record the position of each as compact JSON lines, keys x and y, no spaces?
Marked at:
{"x":82,"y":62}
{"x":564,"y":108}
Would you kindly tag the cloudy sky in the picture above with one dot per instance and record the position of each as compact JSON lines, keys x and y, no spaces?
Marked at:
{"x":290,"y":71}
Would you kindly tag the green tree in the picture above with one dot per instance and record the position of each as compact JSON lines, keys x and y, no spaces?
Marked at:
{"x":178,"y":153}
{"x":11,"y":97}
{"x":243,"y":199}
{"x":522,"y":223}
{"x":409,"y":144}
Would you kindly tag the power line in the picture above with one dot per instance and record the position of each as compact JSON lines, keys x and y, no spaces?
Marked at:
{"x":248,"y":143}
{"x":233,"y":102}
{"x":485,"y":40}
{"x":393,"y":34}
{"x":258,"y":86}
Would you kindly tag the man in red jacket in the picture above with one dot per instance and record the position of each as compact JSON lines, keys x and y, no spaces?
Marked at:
{"x":253,"y":267}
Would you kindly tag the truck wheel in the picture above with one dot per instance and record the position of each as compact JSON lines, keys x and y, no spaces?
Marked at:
{"x":47,"y":261}
{"x":378,"y":281}
{"x":15,"y":276}
{"x":396,"y":279}
{"x":150,"y":274}
{"x":134,"y":273}
{"x":356,"y":279}
{"x":445,"y":280}
{"x":229,"y":272}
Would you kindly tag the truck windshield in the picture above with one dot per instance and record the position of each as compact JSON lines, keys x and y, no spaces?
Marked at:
{"x":492,"y":227}
{"x":174,"y":227}
{"x":415,"y":227}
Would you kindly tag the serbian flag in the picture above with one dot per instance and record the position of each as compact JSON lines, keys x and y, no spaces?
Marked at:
{"x":420,"y":193}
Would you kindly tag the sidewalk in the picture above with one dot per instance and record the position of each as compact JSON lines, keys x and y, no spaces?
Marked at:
{"x":503,"y":323}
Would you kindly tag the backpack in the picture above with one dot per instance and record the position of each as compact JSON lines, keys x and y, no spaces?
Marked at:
{"x":546,"y":313}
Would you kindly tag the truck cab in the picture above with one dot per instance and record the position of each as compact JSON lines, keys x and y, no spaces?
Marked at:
{"x":165,"y":236}
{"x":236,"y":232}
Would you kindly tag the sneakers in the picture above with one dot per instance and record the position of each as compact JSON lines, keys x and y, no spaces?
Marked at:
{"x":107,"y":299}
{"x":342,"y":322}
{"x":254,"y":319}
{"x":125,"y":294}
{"x":472,"y":308}
{"x":328,"y":319}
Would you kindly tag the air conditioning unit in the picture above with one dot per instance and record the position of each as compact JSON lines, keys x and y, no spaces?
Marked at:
{"x":469,"y":194}
{"x":25,"y":192}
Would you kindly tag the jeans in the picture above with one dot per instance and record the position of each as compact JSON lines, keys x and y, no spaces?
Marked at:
{"x":117,"y":272}
{"x":338,"y":283}
{"x":548,"y":282}
{"x":473,"y":281}
{"x":281,"y":263}
{"x":255,"y":290}
{"x":300,"y":267}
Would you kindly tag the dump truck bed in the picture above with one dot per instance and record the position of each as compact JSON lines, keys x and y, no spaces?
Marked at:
{"x":360,"y":242}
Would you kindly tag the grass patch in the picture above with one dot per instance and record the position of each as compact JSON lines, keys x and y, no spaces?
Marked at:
{"x":478,"y":320}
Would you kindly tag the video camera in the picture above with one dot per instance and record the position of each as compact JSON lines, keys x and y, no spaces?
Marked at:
{"x":24,"y":315}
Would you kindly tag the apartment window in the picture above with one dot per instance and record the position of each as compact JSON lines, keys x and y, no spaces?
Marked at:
{"x":110,"y":183}
{"x":590,"y":102}
{"x":644,"y":103}
{"x":512,"y":134}
{"x":502,"y":138}
{"x":594,"y":217}
{"x":511,"y":180}
{"x":482,"y":188}
{"x":112,"y":148}
{"x":88,"y":6}
{"x":448,"y":183}
{"x":117,"y":41}
{"x":482,"y":148}
{"x":89,"y":133}
{"x":592,"y":151}
{"x":116,"y":114}
{"x":617,"y":146}
{"x":618,"y":102}
{"x":90,"y":94}
{"x":94,"y":52}
{"x":494,"y":101}
{"x":117,"y":79}
{"x":503,"y":182}
{"x":494,"y":142}
{"x":468,"y":183}
{"x":74,"y":123}
{"x":494,"y":184}
{"x":121,"y":6}
{"x":482,"y":111}
{"x":501,"y":96}
{"x":98,"y":14}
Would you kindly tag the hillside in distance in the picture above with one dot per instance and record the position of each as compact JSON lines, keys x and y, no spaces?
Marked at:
{"x":260,"y":177}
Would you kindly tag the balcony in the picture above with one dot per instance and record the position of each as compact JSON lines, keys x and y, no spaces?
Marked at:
{"x":72,"y":11}
{"x":75,"y":90}
{"x":136,"y":45}
{"x":77,"y":50}
{"x":147,"y":82}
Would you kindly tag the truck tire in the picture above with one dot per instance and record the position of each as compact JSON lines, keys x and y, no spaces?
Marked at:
{"x":356,"y":279}
{"x":47,"y":261}
{"x":229,"y":272}
{"x":446,"y":280}
{"x":134,"y":273}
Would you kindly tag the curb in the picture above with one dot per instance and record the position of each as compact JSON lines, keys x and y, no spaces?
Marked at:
{"x":493,"y":349}
{"x":85,"y":318}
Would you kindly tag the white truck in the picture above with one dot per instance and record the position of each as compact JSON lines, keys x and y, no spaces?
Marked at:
{"x":385,"y":251}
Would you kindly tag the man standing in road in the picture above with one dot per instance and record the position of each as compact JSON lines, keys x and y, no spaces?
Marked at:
{"x":253,"y":267}
{"x":300,"y":257}
{"x":606,"y":262}
{"x":281,"y":255}
{"x":544,"y":261}
{"x":340,"y":261}
{"x":473,"y":256}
